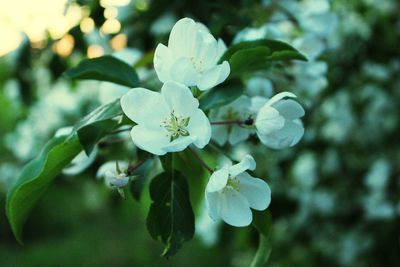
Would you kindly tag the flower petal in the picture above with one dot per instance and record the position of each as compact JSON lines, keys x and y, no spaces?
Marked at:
{"x":288,"y":136}
{"x":218,"y":180}
{"x":268,"y":120}
{"x":144,"y":107}
{"x":206,"y":51}
{"x":200,"y":127}
{"x":221,"y":48}
{"x":179,"y":99}
{"x":289,"y":109}
{"x":280,"y":96}
{"x":214,"y":76}
{"x":234,"y":208}
{"x":150,"y":139}
{"x":179,"y":144}
{"x":256,"y":191}
{"x":114,"y":180}
{"x":185,"y":37}
{"x":111,"y":166}
{"x":257,"y":102}
{"x":183,"y":71}
{"x":163,"y":60}
{"x":247,"y":163}
{"x":212,"y":205}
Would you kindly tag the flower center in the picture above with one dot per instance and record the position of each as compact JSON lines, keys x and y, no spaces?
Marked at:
{"x":197,"y":64}
{"x":233,"y":183}
{"x":176,"y":126}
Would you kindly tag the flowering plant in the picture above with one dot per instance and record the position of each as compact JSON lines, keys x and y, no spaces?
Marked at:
{"x":200,"y":105}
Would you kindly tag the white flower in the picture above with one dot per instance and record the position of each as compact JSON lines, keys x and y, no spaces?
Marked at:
{"x":168,"y":121}
{"x":191,"y":57}
{"x":238,"y":110}
{"x":277,"y":122}
{"x":310,"y":45}
{"x":231,"y":192}
{"x":113,"y":177}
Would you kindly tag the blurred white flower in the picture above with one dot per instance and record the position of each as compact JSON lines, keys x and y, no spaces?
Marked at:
{"x":278,"y":122}
{"x":108,"y":91}
{"x":231,"y":192}
{"x":163,"y":24}
{"x":191,"y":57}
{"x":378,"y":175}
{"x":82,"y":161}
{"x":168,"y":121}
{"x":206,"y":228}
{"x":310,"y":45}
{"x":238,"y":110}
{"x":114,"y":174}
{"x":259,"y":86}
{"x":340,"y":118}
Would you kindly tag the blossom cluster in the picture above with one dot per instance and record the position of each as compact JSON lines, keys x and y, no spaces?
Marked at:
{"x":171,"y":120}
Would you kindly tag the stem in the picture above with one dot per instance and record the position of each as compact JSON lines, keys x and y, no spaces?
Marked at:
{"x":263,"y":252}
{"x":226,"y":122}
{"x":201,"y":161}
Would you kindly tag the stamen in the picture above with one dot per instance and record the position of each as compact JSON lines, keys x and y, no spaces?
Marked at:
{"x":176,"y":126}
{"x":233,"y":184}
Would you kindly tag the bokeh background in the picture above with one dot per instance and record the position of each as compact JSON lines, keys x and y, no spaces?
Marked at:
{"x":336,"y":195}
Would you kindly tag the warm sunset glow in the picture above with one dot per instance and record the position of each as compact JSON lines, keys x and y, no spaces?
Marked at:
{"x":64,"y":46}
{"x":110,"y":26}
{"x":95,"y":51}
{"x":119,"y":42}
{"x":36,"y":19}
{"x":87,"y":25}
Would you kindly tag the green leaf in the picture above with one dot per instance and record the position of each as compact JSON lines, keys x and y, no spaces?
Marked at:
{"x":36,"y":177}
{"x":106,"y":68}
{"x":220,"y":96}
{"x":97,"y":124}
{"x":254,"y":55}
{"x":248,"y":60}
{"x":171,"y":217}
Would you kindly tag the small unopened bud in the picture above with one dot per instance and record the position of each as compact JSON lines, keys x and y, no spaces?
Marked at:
{"x":249,"y":121}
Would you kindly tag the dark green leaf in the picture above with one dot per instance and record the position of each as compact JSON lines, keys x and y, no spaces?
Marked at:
{"x":171,"y":217}
{"x":167,"y":162}
{"x":253,"y":55}
{"x":36,"y":177}
{"x":220,"y":96}
{"x":96,"y":124}
{"x":106,"y":68}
